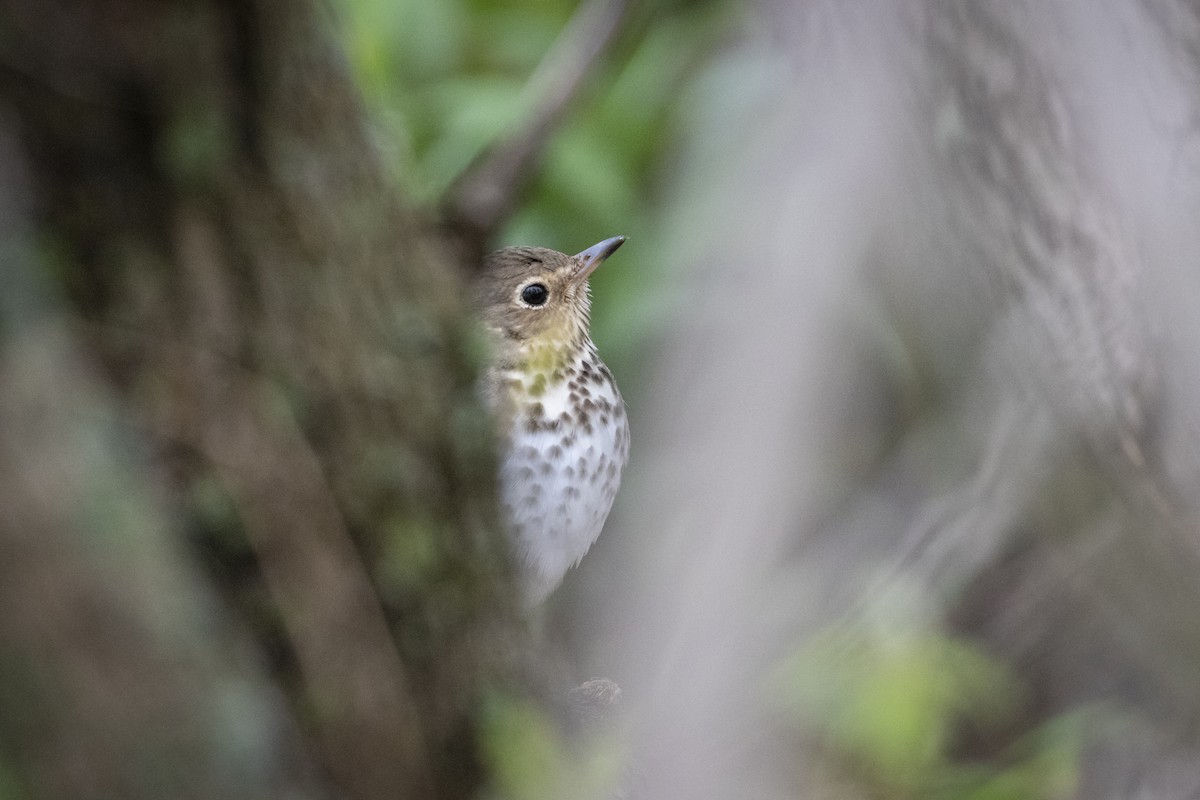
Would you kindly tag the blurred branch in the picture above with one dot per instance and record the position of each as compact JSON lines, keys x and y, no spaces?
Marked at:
{"x":486,"y":193}
{"x":366,"y":717}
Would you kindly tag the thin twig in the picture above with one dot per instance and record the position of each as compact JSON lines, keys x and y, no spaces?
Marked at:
{"x":485,"y":194}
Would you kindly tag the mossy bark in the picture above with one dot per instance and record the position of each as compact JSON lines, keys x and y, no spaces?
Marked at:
{"x":241,"y":451}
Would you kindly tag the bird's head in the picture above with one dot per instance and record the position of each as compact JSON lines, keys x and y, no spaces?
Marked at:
{"x":535,"y":302}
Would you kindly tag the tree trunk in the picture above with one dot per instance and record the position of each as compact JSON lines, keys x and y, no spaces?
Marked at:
{"x":241,"y":450}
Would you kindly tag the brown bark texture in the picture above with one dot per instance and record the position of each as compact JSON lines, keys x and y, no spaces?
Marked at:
{"x":246,"y":547}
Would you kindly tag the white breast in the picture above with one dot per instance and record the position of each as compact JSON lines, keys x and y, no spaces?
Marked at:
{"x":559,"y":475}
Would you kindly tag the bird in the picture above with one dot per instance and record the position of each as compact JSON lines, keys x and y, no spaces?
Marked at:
{"x":563,"y":430}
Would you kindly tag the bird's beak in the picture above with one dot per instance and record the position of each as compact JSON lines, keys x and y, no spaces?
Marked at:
{"x":594,"y":256}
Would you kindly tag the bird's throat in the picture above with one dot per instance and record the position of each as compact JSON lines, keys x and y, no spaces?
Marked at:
{"x":543,"y":365}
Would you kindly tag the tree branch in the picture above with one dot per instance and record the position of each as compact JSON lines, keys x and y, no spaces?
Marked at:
{"x":486,"y":193}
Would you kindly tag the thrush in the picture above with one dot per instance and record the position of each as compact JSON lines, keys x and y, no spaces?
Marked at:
{"x":565,"y":437}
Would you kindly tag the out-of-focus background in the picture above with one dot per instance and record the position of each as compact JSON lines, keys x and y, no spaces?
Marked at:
{"x":906,"y":324}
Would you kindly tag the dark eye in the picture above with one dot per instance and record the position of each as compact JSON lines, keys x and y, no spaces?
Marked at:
{"x":535,"y":294}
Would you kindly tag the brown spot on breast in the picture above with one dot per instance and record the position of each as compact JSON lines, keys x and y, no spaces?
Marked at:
{"x":554,"y":453}
{"x":546,"y":468}
{"x":535,"y":409}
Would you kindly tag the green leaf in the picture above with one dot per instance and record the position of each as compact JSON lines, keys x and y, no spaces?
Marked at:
{"x":890,"y":702}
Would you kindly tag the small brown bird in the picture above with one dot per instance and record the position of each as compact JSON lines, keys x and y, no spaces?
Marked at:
{"x":566,"y":438}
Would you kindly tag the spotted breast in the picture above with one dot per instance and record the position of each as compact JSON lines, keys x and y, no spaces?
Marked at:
{"x":562,"y":468}
{"x":566,"y":439}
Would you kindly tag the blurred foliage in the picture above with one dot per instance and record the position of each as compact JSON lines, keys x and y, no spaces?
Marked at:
{"x":530,"y":760}
{"x":889,"y":698}
{"x":445,"y":78}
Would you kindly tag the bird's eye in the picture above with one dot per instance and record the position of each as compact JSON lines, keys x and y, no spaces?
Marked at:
{"x":535,"y":294}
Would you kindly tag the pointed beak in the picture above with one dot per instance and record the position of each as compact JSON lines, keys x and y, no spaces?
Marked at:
{"x":595,"y":255}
